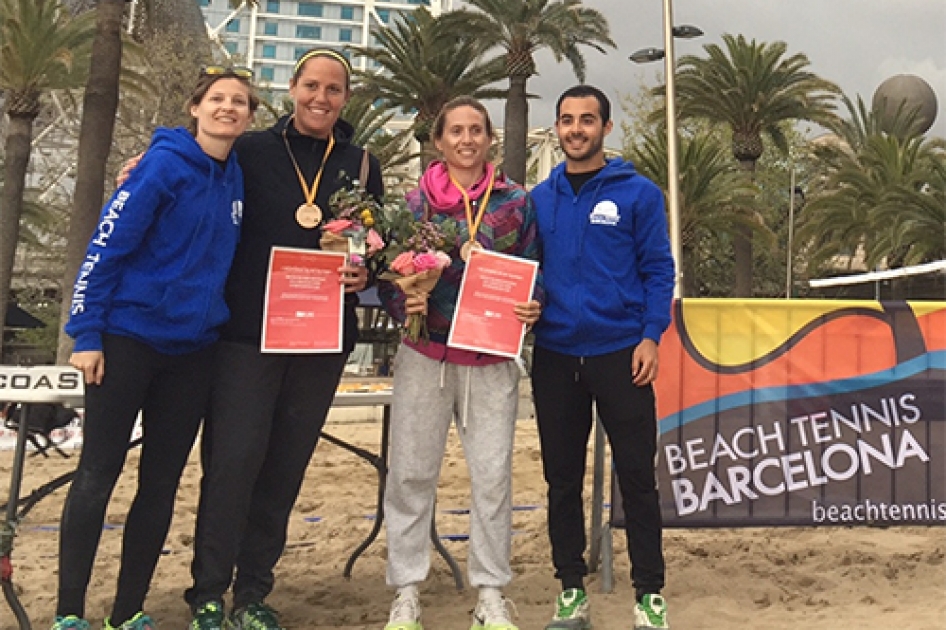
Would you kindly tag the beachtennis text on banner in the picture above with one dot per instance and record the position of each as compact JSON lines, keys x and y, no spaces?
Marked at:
{"x":802,"y":412}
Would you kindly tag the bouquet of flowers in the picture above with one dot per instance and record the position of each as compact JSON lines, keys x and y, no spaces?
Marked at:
{"x":416,"y":255}
{"x":353,"y":230}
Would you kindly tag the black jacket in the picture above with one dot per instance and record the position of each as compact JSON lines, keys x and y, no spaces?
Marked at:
{"x":273,"y":193}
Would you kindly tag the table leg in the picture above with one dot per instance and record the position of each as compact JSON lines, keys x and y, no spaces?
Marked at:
{"x":597,"y":497}
{"x":380,"y":463}
{"x":8,"y":527}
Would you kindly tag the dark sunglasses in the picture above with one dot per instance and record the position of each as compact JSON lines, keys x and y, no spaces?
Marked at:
{"x":240,"y":72}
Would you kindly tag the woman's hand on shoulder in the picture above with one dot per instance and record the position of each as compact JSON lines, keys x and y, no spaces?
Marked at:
{"x":127,"y":168}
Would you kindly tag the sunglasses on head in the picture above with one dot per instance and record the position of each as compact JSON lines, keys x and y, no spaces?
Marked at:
{"x":240,"y":72}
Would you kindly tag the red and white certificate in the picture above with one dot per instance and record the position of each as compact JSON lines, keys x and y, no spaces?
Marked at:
{"x":304,"y":301}
{"x":484,"y":320}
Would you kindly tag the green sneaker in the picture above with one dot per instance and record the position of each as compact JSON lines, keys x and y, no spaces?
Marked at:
{"x":257,"y":616}
{"x":70,"y":622}
{"x":209,"y":616}
{"x":405,"y":611}
{"x":572,"y":611}
{"x":140,"y":621}
{"x":651,"y":613}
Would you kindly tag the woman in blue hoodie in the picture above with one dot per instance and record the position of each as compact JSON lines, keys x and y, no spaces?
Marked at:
{"x":146,"y":308}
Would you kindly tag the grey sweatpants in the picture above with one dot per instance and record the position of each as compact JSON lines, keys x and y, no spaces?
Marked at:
{"x":428,"y":395}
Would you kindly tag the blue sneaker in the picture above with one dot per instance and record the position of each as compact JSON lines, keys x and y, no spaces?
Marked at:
{"x":70,"y":622}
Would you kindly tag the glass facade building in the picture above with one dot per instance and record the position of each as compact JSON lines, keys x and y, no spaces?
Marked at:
{"x":270,"y":36}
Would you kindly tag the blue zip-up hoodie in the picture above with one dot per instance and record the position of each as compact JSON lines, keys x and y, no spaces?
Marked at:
{"x":606,"y":261}
{"x":157,"y":263}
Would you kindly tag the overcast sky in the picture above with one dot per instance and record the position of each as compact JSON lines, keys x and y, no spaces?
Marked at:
{"x":854,"y":43}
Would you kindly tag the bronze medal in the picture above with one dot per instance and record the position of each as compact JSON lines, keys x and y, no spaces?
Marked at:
{"x":468,"y":247}
{"x":308,"y":215}
{"x":473,"y":224}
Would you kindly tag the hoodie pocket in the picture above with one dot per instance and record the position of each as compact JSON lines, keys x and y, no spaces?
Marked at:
{"x":183,"y":310}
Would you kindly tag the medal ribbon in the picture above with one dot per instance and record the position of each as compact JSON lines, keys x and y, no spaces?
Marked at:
{"x":473,"y":226}
{"x":306,"y":190}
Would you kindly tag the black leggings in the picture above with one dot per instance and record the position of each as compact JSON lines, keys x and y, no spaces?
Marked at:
{"x":565,"y":388}
{"x":266,"y":417}
{"x":171,"y":391}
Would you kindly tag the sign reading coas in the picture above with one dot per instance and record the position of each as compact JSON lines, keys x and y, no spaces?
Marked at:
{"x":44,"y":384}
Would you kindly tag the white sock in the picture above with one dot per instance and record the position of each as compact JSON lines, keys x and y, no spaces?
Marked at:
{"x":490,"y":592}
{"x":408,"y":591}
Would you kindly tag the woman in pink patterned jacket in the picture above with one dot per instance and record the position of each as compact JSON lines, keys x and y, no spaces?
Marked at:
{"x":434,"y":383}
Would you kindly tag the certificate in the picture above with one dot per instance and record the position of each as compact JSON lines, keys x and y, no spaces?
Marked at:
{"x":304,"y":301}
{"x":484,"y":320}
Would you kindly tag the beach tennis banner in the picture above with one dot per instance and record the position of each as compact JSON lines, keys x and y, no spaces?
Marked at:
{"x":803,"y":412}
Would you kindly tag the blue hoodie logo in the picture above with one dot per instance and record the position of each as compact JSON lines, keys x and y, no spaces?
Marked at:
{"x":605,"y":213}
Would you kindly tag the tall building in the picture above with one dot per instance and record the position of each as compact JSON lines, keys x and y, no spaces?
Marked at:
{"x":271,"y":36}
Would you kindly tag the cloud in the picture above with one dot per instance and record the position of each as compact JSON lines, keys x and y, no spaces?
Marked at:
{"x":855,"y":43}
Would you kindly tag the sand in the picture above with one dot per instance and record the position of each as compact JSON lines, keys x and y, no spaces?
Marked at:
{"x":765,"y":578}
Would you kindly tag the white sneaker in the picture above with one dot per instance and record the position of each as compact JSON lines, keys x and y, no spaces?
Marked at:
{"x":491,"y":611}
{"x":405,"y":610}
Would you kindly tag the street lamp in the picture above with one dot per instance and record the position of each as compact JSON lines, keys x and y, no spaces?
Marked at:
{"x":673,"y":169}
{"x":796,"y":198}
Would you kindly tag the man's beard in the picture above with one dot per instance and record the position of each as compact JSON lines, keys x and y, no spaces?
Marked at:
{"x":592,"y":148}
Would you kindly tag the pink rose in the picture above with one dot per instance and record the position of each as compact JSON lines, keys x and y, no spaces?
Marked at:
{"x":375,"y":243}
{"x":425,"y":261}
{"x":443,"y":259}
{"x":404,"y":264}
{"x":337,"y":226}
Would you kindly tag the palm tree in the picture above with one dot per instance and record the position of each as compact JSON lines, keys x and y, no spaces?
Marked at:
{"x":43,"y":48}
{"x":916,"y":214}
{"x":713,"y":199}
{"x":863,"y":123}
{"x":391,"y":148}
{"x":418,"y":70}
{"x":885,"y":199}
{"x":99,"y":105}
{"x":522,"y":27}
{"x":755,"y":89}
{"x":156,"y":18}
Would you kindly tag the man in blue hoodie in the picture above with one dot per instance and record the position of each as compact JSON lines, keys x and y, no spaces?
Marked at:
{"x":609,"y":284}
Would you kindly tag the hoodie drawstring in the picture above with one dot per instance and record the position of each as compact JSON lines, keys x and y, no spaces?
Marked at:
{"x":466,"y":396}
